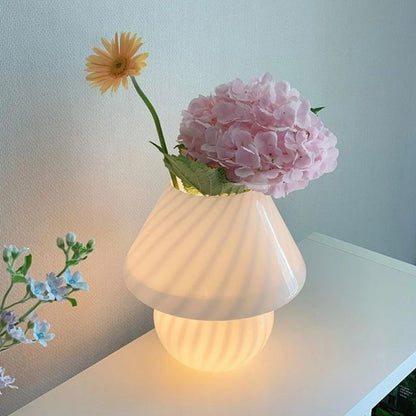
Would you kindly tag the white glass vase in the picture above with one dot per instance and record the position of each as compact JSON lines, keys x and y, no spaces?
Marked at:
{"x":214,"y":268}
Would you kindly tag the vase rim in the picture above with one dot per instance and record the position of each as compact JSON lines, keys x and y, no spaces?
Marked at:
{"x":182,"y":190}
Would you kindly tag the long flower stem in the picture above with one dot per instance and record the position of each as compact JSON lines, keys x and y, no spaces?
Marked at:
{"x":156,"y":120}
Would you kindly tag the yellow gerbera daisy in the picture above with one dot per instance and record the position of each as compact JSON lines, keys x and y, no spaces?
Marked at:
{"x":112,"y":65}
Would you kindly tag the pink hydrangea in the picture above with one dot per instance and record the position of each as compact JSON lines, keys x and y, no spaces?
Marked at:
{"x":263,"y":133}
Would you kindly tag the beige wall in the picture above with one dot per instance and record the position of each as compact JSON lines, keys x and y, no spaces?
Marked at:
{"x":74,"y":160}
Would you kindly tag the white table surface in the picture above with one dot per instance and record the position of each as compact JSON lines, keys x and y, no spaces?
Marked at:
{"x":338,"y":348}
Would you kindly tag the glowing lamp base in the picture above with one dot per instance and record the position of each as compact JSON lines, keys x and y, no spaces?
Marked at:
{"x":213,"y":346}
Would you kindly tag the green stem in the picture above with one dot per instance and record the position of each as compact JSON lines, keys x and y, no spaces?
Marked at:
{"x":66,"y":263}
{"x":6,"y":347}
{"x":62,"y":271}
{"x":23,"y":317}
{"x":11,"y":271}
{"x":17,"y":303}
{"x":157,"y":123}
{"x":6,"y":294}
{"x":6,"y":344}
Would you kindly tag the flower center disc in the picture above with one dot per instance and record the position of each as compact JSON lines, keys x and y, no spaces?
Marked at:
{"x":119,"y":65}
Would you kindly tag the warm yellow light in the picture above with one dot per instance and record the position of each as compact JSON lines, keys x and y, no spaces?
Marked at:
{"x":213,"y":345}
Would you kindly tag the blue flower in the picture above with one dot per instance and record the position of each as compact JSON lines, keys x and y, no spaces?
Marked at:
{"x":40,"y":332}
{"x":55,"y":283}
{"x":75,"y":280}
{"x":8,"y":317}
{"x":6,"y":381}
{"x":39,"y":289}
{"x":17,"y":333}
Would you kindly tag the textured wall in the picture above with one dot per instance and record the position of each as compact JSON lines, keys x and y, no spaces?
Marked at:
{"x":74,"y":160}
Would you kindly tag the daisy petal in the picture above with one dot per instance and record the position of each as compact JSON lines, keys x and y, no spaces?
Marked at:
{"x":110,"y":67}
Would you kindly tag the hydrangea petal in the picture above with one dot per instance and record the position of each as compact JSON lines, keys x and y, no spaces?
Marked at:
{"x":262,"y":132}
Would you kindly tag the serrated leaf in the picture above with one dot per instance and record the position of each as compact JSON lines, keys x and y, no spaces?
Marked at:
{"x":18,"y":278}
{"x":23,"y":269}
{"x":208,"y":181}
{"x":73,"y":301}
{"x":316,"y":110}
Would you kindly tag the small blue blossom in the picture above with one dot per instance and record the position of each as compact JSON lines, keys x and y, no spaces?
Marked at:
{"x":8,"y":317}
{"x":17,"y":333}
{"x":41,"y":290}
{"x":40,"y":332}
{"x":6,"y":381}
{"x":75,"y":280}
{"x":55,"y":283}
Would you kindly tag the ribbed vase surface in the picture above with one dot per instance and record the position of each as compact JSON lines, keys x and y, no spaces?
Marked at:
{"x":214,"y":258}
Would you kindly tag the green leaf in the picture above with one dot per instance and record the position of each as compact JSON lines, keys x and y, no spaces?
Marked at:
{"x":76,"y":247}
{"x":18,"y":278}
{"x":316,"y":110}
{"x":72,"y":262}
{"x":23,"y":269}
{"x":30,"y":324}
{"x":208,"y":181}
{"x":157,"y":147}
{"x":73,"y":301}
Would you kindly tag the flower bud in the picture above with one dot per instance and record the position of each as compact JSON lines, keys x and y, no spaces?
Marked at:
{"x":7,"y":252}
{"x":90,"y":245}
{"x":60,"y":242}
{"x":14,"y":251}
{"x":70,"y":239}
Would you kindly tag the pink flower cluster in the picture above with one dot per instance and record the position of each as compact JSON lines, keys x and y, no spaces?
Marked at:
{"x":263,"y":133}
